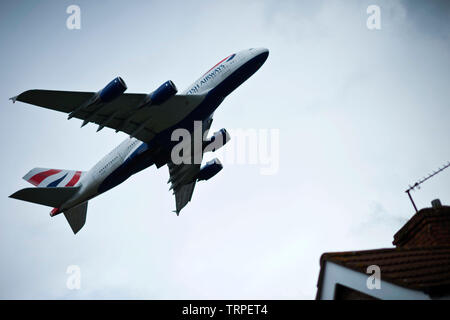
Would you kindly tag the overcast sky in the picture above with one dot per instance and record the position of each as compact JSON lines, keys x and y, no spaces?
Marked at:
{"x":361,"y":115}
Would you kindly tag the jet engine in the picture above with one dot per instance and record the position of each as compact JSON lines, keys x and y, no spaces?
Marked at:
{"x":163,"y":93}
{"x":112,"y":90}
{"x":217,"y":141}
{"x":209,"y":170}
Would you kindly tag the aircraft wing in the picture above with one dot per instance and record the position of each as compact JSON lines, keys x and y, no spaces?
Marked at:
{"x":122,"y":114}
{"x":183,"y":192}
{"x":183,"y":177}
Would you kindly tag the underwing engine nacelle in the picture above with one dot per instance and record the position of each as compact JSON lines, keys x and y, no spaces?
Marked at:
{"x":160,"y":95}
{"x":110,"y":92}
{"x":217,"y":141}
{"x":163,"y":93}
{"x":209,"y":170}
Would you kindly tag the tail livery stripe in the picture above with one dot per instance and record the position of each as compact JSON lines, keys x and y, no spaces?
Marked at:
{"x":74,"y":179}
{"x":48,"y":178}
{"x":38,"y":178}
{"x":56,"y":182}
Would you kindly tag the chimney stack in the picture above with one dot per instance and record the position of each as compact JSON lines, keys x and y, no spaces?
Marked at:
{"x":436,"y":203}
{"x":427,"y":228}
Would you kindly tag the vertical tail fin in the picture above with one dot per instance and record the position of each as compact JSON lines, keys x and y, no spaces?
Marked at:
{"x":44,"y":177}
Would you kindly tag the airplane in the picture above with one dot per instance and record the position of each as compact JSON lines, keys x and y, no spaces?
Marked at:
{"x":149,"y":120}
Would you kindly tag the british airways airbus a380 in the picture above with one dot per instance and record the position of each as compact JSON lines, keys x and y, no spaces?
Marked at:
{"x":149,"y":119}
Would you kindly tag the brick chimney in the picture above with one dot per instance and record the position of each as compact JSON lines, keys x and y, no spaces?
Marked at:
{"x":428,"y":227}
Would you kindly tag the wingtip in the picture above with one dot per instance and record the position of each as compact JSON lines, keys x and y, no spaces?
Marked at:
{"x":177,"y":212}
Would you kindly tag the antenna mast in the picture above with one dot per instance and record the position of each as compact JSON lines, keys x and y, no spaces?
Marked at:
{"x":418,"y":183}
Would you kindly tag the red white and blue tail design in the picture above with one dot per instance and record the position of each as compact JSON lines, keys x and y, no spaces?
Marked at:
{"x":54,"y":188}
{"x":48,"y":178}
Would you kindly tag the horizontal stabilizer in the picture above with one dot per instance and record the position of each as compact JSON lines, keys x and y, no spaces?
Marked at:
{"x":52,"y":197}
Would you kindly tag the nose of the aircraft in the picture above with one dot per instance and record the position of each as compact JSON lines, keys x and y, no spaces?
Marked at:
{"x":258,"y":51}
{"x":264,"y":52}
{"x":261,"y":54}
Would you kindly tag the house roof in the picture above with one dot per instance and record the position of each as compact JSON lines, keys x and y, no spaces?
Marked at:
{"x":426,"y":269}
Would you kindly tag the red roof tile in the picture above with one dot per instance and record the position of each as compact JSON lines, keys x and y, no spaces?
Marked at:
{"x":425,"y":269}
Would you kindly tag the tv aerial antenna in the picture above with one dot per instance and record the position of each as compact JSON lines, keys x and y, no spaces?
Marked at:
{"x":418,"y":183}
